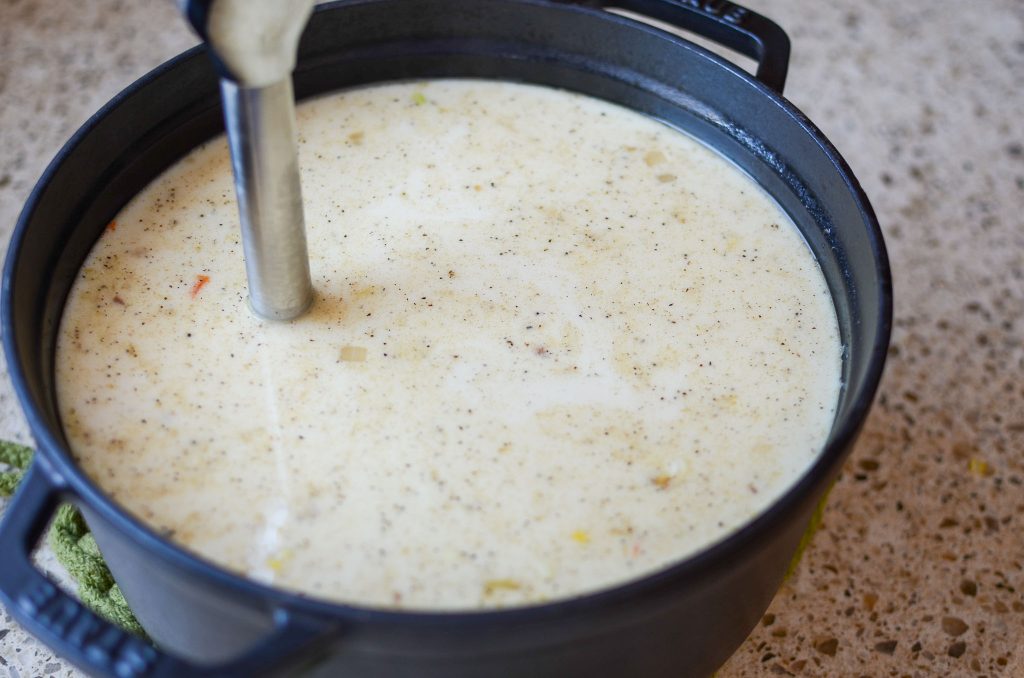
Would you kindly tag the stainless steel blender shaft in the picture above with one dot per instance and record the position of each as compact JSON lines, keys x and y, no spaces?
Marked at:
{"x":261,"y":133}
{"x":254,"y":44}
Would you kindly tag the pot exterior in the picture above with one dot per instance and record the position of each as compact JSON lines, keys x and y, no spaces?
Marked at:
{"x":684,"y":621}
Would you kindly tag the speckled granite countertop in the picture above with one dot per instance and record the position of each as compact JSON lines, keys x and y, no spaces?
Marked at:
{"x":919,"y":566}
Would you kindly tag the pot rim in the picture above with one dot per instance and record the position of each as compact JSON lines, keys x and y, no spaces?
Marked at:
{"x":59,"y":464}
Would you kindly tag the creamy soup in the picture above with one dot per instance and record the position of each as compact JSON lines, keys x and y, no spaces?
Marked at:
{"x":556,"y":345}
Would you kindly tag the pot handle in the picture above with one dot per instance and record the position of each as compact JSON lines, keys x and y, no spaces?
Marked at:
{"x":725,"y":23}
{"x":91,"y":642}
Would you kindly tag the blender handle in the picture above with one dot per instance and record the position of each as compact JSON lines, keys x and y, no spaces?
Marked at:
{"x":94,"y":644}
{"x":723,"y":22}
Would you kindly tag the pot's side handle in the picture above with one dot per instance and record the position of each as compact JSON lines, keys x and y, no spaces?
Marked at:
{"x":91,"y":642}
{"x":723,"y":22}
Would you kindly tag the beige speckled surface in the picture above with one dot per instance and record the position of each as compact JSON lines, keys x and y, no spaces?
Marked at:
{"x":923,"y":97}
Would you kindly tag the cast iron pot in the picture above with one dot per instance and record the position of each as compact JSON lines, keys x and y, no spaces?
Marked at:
{"x":682,"y":621}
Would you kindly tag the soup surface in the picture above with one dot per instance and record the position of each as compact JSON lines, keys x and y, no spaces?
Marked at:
{"x":556,"y":345}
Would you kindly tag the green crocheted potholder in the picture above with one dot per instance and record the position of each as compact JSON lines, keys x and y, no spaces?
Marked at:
{"x":17,"y":458}
{"x":74,"y":547}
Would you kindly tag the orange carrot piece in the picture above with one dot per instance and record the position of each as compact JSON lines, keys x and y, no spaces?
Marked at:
{"x":201,"y":281}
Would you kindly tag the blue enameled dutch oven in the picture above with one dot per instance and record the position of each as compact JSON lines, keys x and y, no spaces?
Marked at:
{"x":682,"y":621}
